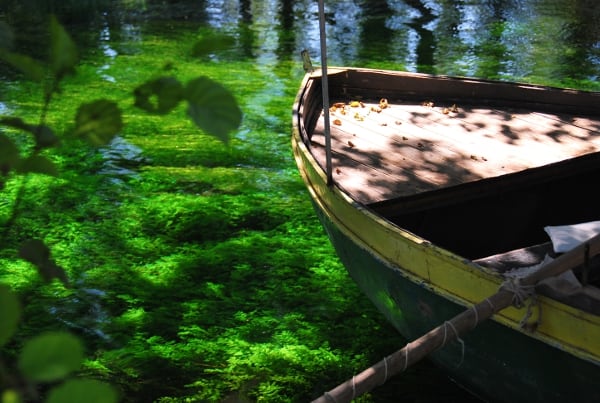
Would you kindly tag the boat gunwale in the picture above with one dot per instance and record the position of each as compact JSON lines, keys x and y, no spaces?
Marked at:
{"x":585,"y":102}
{"x":337,"y":204}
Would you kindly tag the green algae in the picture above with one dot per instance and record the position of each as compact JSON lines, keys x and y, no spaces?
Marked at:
{"x":214,"y":277}
{"x":215,"y":280}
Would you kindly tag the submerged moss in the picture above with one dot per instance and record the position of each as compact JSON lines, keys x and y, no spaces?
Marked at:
{"x":214,"y":280}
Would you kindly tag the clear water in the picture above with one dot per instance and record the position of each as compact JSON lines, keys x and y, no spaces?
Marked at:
{"x":542,"y":41}
{"x":552,"y":42}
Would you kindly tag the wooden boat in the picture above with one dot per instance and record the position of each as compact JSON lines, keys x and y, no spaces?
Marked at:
{"x":439,"y":188}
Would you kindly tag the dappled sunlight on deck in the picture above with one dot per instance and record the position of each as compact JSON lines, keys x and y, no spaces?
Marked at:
{"x":413,"y":147}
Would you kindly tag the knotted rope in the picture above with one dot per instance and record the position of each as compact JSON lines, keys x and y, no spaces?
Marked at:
{"x":522,"y":293}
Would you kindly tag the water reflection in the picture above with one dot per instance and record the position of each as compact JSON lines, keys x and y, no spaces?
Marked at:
{"x":543,"y":41}
{"x":265,"y":47}
{"x":108,"y":52}
{"x":421,"y":41}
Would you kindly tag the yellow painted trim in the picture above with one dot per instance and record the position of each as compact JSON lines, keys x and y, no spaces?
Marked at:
{"x":445,"y":273}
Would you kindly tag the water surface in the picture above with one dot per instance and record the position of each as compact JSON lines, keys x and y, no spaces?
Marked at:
{"x":122,"y":43}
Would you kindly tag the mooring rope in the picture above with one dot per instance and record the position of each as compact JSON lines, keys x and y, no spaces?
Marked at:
{"x":474,"y":308}
{"x":330,"y":398}
{"x":476,"y":312}
{"x":461,"y":341}
{"x":522,"y":293}
{"x":524,"y":321}
{"x":491,"y":305}
{"x":386,"y":370}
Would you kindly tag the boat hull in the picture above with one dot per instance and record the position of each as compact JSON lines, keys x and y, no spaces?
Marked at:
{"x":418,"y":284}
{"x":492,"y":361}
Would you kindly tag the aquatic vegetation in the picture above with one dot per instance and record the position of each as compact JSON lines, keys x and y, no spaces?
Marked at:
{"x":200,"y":273}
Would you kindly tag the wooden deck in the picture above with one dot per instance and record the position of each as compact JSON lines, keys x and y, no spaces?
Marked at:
{"x":409,"y":148}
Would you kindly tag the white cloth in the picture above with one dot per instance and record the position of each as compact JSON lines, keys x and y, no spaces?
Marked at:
{"x":566,"y":237}
{"x":565,"y":282}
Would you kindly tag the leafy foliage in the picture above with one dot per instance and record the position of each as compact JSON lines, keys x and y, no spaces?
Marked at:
{"x":38,"y":254}
{"x":168,"y":92}
{"x":10,"y":312}
{"x":82,"y":390}
{"x":211,"y":43}
{"x":63,"y":52}
{"x":32,"y":70}
{"x":204,"y":274}
{"x":98,"y":122}
{"x":44,"y":136}
{"x":56,"y":357}
{"x":210,"y":105}
{"x":51,"y":356}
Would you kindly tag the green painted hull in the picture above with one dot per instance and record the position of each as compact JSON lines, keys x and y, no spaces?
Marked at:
{"x":405,"y":252}
{"x":493,"y":361}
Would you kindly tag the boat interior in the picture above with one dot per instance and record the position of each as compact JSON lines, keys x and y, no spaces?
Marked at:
{"x":503,"y":229}
{"x":480,"y":178}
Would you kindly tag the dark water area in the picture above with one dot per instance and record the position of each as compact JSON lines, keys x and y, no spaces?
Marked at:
{"x":544,"y":41}
{"x":550,"y":42}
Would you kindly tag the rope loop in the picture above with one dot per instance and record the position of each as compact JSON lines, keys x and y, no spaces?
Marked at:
{"x":524,"y":323}
{"x":520,"y":292}
{"x":491,"y":305}
{"x":386,"y":370}
{"x":476,"y":313}
{"x":329,"y":397}
{"x":461,"y":341}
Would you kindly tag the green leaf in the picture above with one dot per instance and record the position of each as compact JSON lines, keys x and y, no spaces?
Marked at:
{"x":83,"y":390}
{"x":10,"y":396}
{"x":212,"y":43}
{"x":37,"y":164}
{"x":212,"y":107}
{"x":50,"y":270}
{"x":16,"y":123}
{"x":38,"y":254}
{"x":98,"y":121}
{"x":10,"y":313}
{"x":63,"y":52}
{"x":34,"y":251}
{"x":51,"y":356}
{"x":28,"y":66}
{"x":159,"y":96}
{"x":9,"y":154}
{"x":44,"y":135}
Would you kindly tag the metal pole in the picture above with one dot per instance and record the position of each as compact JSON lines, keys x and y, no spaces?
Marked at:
{"x":325,"y":85}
